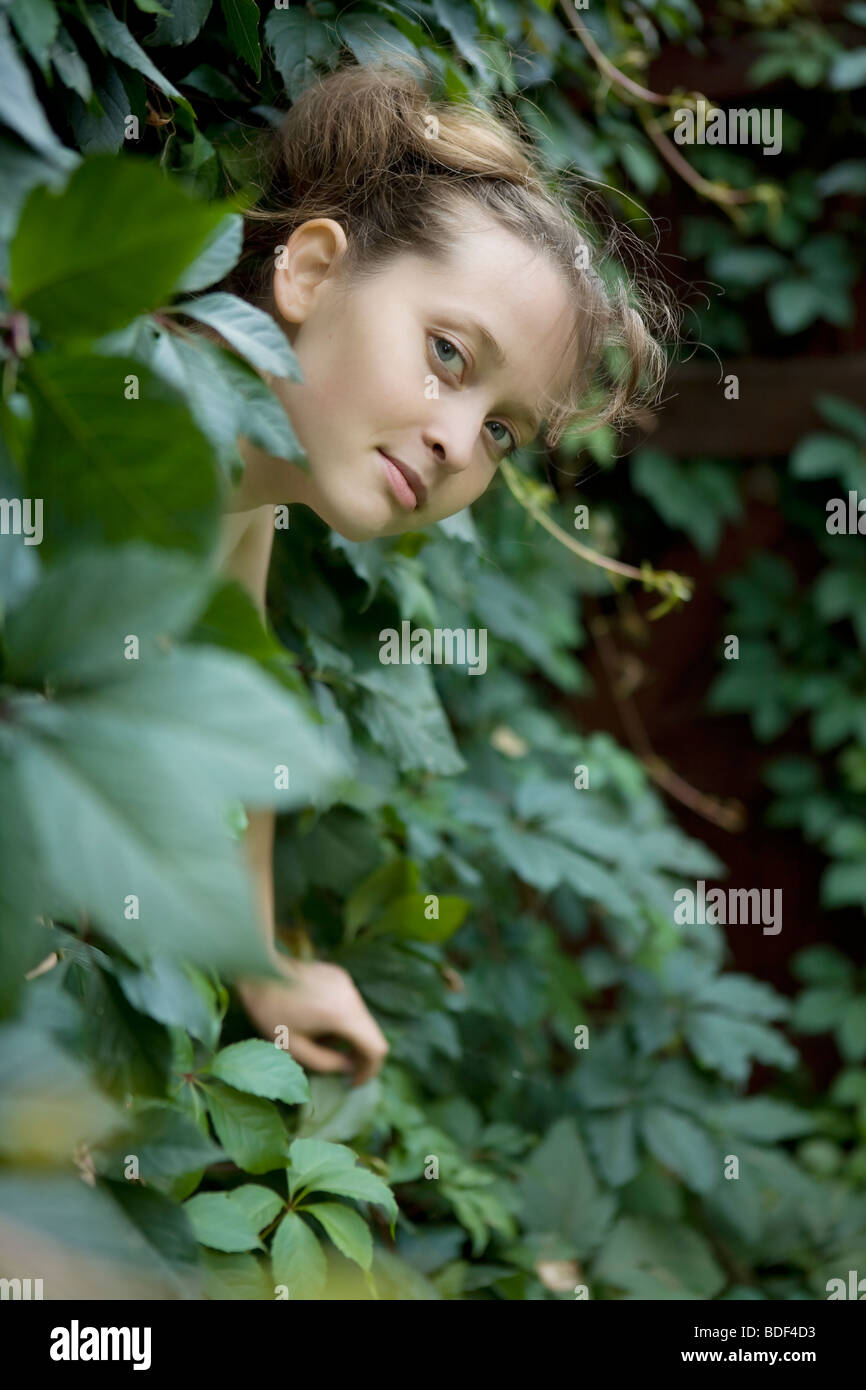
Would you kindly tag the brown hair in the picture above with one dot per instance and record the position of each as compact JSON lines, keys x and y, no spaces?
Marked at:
{"x":369,"y":148}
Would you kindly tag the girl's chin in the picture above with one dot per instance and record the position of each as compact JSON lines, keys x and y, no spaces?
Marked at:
{"x":363,"y":518}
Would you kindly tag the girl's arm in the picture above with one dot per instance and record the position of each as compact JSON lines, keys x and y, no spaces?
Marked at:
{"x":318,"y":998}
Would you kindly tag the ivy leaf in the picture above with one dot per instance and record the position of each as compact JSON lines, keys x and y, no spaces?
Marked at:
{"x":258,"y":1204}
{"x":48,"y":1103}
{"x":251,"y":331}
{"x":349,"y":1231}
{"x":762,"y":1118}
{"x":728,"y":1045}
{"x":236,"y":1276}
{"x":368,"y":34}
{"x":561,"y":1194}
{"x":167,"y":1144}
{"x":300,"y":42}
{"x":113,"y":37}
{"x":263,"y":1069}
{"x":20,"y":108}
{"x":176,"y":994}
{"x":459,"y":21}
{"x":678,"y":1143}
{"x":180,"y":22}
{"x":851,"y":1030}
{"x":403,"y":714}
{"x":297,"y":1258}
{"x":70,"y":66}
{"x":848,"y":70}
{"x":250,"y":1129}
{"x":36,"y":23}
{"x":221,"y":1223}
{"x":652,"y":1258}
{"x":242,"y":23}
{"x":319,"y":1166}
{"x":72,"y":625}
{"x":141,"y":230}
{"x":218,"y":256}
{"x":105,"y":482}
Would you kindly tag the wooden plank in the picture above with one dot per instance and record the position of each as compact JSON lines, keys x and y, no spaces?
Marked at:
{"x":774,"y":411}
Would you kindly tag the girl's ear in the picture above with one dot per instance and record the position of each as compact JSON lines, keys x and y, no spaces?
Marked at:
{"x":313,"y":252}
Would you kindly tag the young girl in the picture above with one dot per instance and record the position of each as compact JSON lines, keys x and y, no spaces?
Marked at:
{"x":444,"y":307}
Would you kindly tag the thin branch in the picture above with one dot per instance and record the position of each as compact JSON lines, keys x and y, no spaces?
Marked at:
{"x":729,"y":815}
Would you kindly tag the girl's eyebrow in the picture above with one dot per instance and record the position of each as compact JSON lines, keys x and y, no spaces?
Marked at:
{"x":495,"y":351}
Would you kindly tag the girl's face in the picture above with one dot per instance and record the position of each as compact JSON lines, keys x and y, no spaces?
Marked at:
{"x":417,"y":381}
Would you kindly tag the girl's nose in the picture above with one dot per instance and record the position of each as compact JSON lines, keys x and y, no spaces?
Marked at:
{"x":451,"y":445}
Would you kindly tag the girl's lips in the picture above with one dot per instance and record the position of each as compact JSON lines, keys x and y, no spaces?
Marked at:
{"x":406,"y":486}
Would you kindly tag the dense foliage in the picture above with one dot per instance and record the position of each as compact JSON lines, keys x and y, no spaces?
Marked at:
{"x":434,"y":837}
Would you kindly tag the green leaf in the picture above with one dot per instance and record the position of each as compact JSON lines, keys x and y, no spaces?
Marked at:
{"x":88,"y":1241}
{"x":337,"y":1110}
{"x":349,"y":1231}
{"x":560,"y":1193}
{"x":258,"y":1204}
{"x":250,"y":1129}
{"x":221,"y":1223}
{"x":113,"y":37}
{"x":48,"y":1103}
{"x":236,"y":1276}
{"x":823,"y":965}
{"x":300,"y":42}
{"x":843,"y":415}
{"x":70,"y":66}
{"x":111,"y":469}
{"x":182,"y":21}
{"x":371,"y":38}
{"x":680,"y":1144}
{"x":459,"y":21}
{"x":403,"y":714}
{"x":407,"y":917}
{"x":794,"y":304}
{"x":174,"y":993}
{"x":73,"y":624}
{"x":167,"y":1144}
{"x":297,"y":1259}
{"x":218,"y":256}
{"x":249,"y":330}
{"x":318,"y":1166}
{"x":263,"y":1069}
{"x":729,"y":1045}
{"x":192,"y":731}
{"x":851,"y":1030}
{"x":242,"y":23}
{"x":762,"y":1118}
{"x":110,"y":246}
{"x":650,"y":1258}
{"x":369,"y":898}
{"x":36,"y":23}
{"x":848,"y":70}
{"x":20,"y":108}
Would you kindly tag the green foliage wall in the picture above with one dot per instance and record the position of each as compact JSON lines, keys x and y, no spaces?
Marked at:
{"x":559,"y":1165}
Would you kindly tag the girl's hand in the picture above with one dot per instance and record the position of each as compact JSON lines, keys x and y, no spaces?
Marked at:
{"x":320,"y":998}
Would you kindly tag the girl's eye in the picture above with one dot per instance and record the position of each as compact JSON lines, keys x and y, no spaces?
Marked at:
{"x":444,"y":343}
{"x":508,"y":437}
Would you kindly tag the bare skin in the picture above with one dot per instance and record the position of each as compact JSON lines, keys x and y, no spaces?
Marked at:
{"x":399,"y":368}
{"x":321,"y":998}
